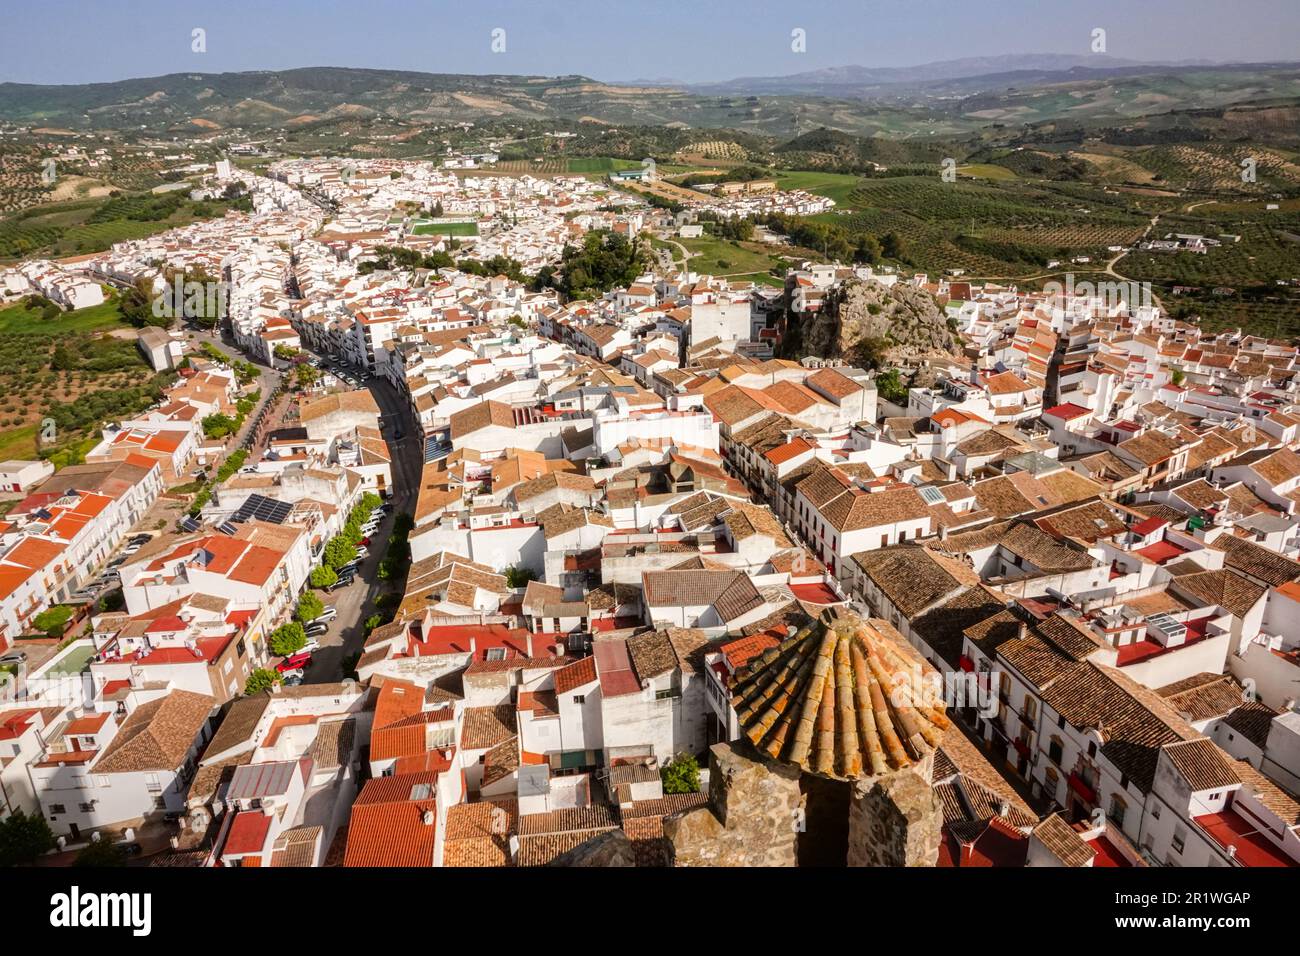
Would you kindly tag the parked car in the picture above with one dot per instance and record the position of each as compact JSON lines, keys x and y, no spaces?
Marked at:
{"x":295,"y":661}
{"x":386,"y":508}
{"x":362,"y":553}
{"x":131,"y":849}
{"x":365,"y":542}
{"x":13,"y":657}
{"x":293,"y":680}
{"x":118,"y":561}
{"x":316,"y":629}
{"x":311,"y":646}
{"x":342,"y":582}
{"x":329,"y":614}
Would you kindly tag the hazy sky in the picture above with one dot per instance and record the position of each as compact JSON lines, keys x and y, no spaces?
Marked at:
{"x":80,"y":41}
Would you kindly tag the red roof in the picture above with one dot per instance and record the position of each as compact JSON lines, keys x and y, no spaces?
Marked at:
{"x":614,"y":665}
{"x":1147,"y":525}
{"x":1230,"y":828}
{"x":1161,"y":551}
{"x":247,"y":833}
{"x":1067,"y":411}
{"x":388,"y":825}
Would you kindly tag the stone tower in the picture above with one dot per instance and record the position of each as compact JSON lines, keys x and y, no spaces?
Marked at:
{"x":840,"y":720}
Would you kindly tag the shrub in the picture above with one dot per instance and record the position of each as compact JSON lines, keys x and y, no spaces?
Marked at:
{"x":263,"y":678}
{"x":53,"y":620}
{"x":682,"y":775}
{"x":101,"y":853}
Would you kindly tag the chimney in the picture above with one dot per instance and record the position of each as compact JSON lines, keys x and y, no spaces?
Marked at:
{"x":427,"y":818}
{"x":530,"y":643}
{"x":473,"y":646}
{"x":1004,"y":808}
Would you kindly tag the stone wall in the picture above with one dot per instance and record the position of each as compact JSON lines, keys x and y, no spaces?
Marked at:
{"x":894,"y":820}
{"x":756,"y":811}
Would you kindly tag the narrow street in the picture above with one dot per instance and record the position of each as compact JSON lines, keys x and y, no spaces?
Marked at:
{"x":355,"y":603}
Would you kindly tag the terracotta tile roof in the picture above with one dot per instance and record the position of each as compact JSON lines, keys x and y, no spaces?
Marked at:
{"x":1063,"y":842}
{"x":575,"y":675}
{"x":1203,"y":696}
{"x":392,"y":822}
{"x":825,"y":700}
{"x":158,"y":734}
{"x":913,"y":577}
{"x":1252,"y":720}
{"x":486,"y":727}
{"x":1202,"y":764}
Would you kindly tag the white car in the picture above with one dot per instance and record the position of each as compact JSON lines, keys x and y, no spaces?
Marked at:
{"x":362,"y":553}
{"x":329,"y":614}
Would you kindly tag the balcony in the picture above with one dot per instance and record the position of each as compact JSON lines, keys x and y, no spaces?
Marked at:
{"x":1082,"y":789}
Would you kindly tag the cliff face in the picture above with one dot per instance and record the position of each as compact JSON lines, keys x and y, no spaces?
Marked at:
{"x":867,"y":323}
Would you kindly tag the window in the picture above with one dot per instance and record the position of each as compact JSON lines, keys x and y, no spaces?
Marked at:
{"x":1092,"y":748}
{"x":1055,"y":750}
{"x":57,"y":808}
{"x":1180,"y":838}
{"x":1155,"y":811}
{"x":1117,"y":810}
{"x":579,"y":699}
{"x":85,"y":807}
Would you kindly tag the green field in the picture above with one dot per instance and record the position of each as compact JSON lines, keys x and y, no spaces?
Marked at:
{"x":445,"y":229}
{"x":986,"y":171}
{"x":721,"y":257}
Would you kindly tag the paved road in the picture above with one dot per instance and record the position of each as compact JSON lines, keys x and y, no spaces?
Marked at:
{"x":355,"y":603}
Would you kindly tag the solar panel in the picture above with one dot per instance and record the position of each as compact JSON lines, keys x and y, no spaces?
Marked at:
{"x":262,"y":508}
{"x":190,"y":524}
{"x":227,"y":528}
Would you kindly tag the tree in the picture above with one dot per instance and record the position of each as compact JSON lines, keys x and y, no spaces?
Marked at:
{"x":218,"y":425}
{"x":323,"y":577}
{"x":1177,"y":376}
{"x":54,"y":620}
{"x":340,"y":551}
{"x":23,"y":838}
{"x":891,"y":387}
{"x":682,"y":775}
{"x":287,"y":639}
{"x":101,"y":853}
{"x":310,"y":607}
{"x":517,"y":577}
{"x":306,"y":375}
{"x":263,"y":678}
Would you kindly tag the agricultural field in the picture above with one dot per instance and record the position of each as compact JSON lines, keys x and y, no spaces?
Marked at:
{"x":63,"y":367}
{"x":1002,"y":229}
{"x":92,"y":225}
{"x":1263,"y":256}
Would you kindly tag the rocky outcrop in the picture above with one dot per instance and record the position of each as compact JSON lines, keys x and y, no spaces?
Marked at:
{"x":867,"y":322}
{"x":754,"y":818}
{"x":611,"y":848}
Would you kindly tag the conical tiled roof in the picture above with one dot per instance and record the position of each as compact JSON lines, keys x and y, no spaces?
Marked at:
{"x":842,"y":698}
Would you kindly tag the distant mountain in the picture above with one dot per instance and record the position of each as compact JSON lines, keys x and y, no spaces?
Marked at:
{"x":969,"y":74}
{"x":928,"y":101}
